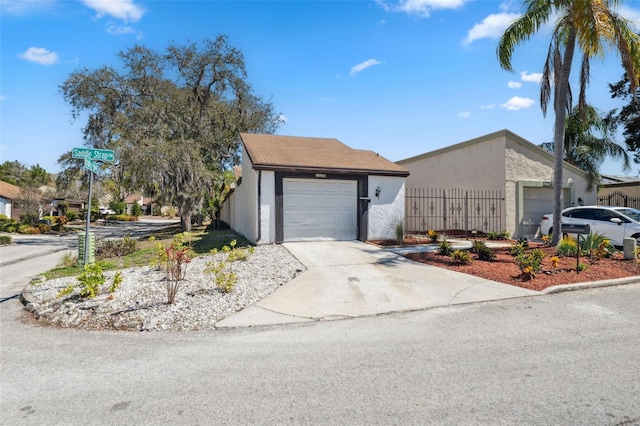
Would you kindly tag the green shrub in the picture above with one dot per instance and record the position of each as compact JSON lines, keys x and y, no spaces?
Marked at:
{"x":116,"y":248}
{"x":484,"y":253}
{"x":118,"y":206}
{"x":530,"y":263}
{"x":596,"y":246}
{"x":461,"y":256}
{"x":72,"y":215}
{"x":5,"y":240}
{"x":399,"y":230}
{"x":220,"y":272}
{"x":504,"y":235}
{"x":89,"y":282}
{"x":31,"y":219}
{"x":3,"y":216}
{"x":136,"y":209}
{"x":567,"y":247}
{"x":9,"y":225}
{"x":433,"y":235}
{"x":444,"y":248}
{"x":518,"y":248}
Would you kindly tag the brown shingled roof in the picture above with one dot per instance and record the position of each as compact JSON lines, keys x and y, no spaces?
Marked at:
{"x":297,"y":154}
{"x":9,"y":191}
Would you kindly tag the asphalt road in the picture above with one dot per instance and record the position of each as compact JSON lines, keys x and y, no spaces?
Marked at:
{"x":570,"y":358}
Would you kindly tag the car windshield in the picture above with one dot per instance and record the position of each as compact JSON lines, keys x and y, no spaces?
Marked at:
{"x":632,"y":213}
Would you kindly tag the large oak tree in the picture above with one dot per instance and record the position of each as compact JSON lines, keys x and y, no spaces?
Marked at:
{"x":172,"y":117}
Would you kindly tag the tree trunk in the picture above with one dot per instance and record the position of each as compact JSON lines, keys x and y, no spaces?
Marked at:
{"x":560,"y":107}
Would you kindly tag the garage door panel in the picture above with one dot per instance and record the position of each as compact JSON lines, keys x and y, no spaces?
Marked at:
{"x":319,"y":210}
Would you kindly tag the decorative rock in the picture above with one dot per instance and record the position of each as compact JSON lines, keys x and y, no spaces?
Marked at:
{"x":629,"y":247}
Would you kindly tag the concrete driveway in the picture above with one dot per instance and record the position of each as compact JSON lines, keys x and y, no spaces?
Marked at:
{"x":350,"y":278}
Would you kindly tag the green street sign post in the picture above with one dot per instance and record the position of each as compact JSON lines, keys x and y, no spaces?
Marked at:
{"x":91,"y":165}
{"x":90,"y":156}
{"x":93,"y":154}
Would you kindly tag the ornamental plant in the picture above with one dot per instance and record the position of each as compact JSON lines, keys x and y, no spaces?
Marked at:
{"x":530,"y":263}
{"x":90,"y":281}
{"x":460,"y":256}
{"x":433,"y":235}
{"x":567,"y":247}
{"x":483,"y":252}
{"x":444,"y":248}
{"x":221,"y":271}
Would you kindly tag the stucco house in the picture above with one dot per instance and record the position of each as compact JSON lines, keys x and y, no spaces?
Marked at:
{"x":623,"y":191}
{"x":8,"y":194}
{"x":313,"y":189}
{"x":505,"y":162}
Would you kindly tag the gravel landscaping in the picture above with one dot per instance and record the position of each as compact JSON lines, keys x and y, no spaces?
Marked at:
{"x":140,"y":303}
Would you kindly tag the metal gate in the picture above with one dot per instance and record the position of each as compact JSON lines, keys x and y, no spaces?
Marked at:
{"x":453,"y":211}
{"x":619,"y":199}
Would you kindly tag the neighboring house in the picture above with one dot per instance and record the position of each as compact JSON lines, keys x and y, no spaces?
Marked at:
{"x":502,"y":161}
{"x":313,"y":189}
{"x":8,"y":195}
{"x":144,"y":202}
{"x":622,"y":191}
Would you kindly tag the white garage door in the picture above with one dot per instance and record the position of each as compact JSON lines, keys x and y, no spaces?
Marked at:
{"x":316,"y":210}
{"x":536,"y":203}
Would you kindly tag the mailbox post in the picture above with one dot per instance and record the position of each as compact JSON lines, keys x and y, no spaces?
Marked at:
{"x":578,"y":230}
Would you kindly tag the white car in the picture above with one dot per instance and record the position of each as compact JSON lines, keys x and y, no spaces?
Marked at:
{"x":614,"y":223}
{"x":105,"y":211}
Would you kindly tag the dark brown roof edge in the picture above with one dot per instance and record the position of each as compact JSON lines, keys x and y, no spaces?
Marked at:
{"x":298,"y":169}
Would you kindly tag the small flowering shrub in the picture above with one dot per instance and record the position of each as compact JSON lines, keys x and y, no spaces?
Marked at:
{"x":555,"y":261}
{"x":433,"y":235}
{"x":567,"y":247}
{"x":460,"y":256}
{"x":504,"y":235}
{"x":596,"y":247}
{"x":530,"y":263}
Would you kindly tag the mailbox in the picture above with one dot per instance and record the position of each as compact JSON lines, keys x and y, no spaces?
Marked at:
{"x":575,"y":229}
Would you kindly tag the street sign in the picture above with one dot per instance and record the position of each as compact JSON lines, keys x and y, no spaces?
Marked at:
{"x":93,"y":154}
{"x":91,"y":165}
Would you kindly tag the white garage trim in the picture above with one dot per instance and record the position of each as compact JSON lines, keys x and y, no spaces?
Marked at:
{"x":535,"y":198}
{"x":317,"y":209}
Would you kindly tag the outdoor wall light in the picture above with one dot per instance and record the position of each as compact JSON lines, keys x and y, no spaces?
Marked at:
{"x":378,"y":190}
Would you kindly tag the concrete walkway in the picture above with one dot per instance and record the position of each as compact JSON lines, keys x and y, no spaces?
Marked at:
{"x":349,"y":279}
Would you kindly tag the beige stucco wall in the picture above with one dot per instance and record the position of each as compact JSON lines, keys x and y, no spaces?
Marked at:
{"x":500,"y":161}
{"x":475,"y":166}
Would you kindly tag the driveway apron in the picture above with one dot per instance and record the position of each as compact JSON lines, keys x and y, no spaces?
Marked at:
{"x":352,"y":278}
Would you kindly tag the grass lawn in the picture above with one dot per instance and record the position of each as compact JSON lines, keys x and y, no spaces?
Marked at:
{"x":203,"y":240}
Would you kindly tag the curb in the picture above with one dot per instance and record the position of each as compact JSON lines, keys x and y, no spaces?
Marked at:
{"x":591,"y":284}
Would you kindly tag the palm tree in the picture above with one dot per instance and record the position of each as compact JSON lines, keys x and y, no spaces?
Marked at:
{"x":583,"y":147}
{"x":592,"y":26}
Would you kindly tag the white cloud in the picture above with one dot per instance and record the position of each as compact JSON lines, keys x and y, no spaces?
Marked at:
{"x":363,"y":66}
{"x":516,"y":103}
{"x":491,"y":27}
{"x":282,"y":118}
{"x":115,"y":29}
{"x":533,"y":77}
{"x":464,"y":114}
{"x":39,"y":55}
{"x":124,"y":10}
{"x":420,"y":7}
{"x":488,"y":106}
{"x":514,"y":85}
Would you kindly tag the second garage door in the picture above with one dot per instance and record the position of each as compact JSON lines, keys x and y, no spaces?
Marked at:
{"x":316,"y":210}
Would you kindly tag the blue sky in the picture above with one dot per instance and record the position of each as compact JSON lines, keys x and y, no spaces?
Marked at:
{"x":397,"y":77}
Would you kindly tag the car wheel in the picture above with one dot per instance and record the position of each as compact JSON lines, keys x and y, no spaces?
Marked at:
{"x":637,"y":237}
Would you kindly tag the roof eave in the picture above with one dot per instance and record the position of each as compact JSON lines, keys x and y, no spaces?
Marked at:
{"x":325,"y":170}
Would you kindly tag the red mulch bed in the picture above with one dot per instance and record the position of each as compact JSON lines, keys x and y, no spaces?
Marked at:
{"x":504,"y":269}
